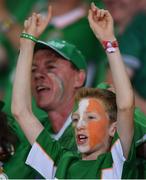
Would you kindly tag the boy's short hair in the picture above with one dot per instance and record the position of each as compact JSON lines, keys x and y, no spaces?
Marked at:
{"x":107,"y":97}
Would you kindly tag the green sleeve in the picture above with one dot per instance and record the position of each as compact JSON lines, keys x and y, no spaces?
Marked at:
{"x":50,"y":146}
{"x":45,"y":155}
{"x":130,"y":170}
{"x":140,"y":127}
{"x":16,"y":168}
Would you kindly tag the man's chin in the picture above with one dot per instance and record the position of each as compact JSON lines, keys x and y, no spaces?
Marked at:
{"x":43,"y":106}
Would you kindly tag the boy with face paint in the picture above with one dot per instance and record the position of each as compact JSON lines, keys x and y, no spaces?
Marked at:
{"x":91,"y":117}
{"x":105,"y":145}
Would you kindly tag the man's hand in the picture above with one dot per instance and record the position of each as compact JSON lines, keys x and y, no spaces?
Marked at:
{"x":36,"y":24}
{"x":101,"y":22}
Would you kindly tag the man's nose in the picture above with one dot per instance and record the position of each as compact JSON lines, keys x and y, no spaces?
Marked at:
{"x":39,"y":75}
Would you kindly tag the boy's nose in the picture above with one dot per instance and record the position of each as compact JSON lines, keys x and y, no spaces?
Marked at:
{"x":80,"y":124}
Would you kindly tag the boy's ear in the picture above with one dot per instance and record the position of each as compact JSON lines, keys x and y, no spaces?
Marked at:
{"x":112,"y":129}
{"x":80,"y":78}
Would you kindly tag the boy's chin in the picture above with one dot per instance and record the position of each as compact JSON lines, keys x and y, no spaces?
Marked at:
{"x":83,"y":148}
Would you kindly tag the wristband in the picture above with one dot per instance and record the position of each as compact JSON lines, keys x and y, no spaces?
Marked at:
{"x":28,"y":36}
{"x":110,"y":46}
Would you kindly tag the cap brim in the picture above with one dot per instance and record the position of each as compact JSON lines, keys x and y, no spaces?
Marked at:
{"x":43,"y":45}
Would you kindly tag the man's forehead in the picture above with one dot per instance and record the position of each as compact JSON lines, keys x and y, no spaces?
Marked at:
{"x":47,"y":51}
{"x":48,"y":55}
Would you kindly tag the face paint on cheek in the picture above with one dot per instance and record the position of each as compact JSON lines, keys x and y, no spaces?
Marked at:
{"x":83,"y":104}
{"x":56,"y":80}
{"x":97,"y":132}
{"x":97,"y":128}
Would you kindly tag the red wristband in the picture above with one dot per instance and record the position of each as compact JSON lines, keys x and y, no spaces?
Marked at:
{"x":110,"y":46}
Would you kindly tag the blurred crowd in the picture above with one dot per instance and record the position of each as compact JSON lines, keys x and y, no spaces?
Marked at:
{"x":69,"y":19}
{"x":130,"y":21}
{"x":70,"y":23}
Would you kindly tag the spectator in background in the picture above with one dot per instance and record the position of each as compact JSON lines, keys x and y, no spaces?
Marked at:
{"x":131,"y":23}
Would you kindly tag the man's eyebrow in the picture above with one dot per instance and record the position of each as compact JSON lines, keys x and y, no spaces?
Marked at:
{"x":50,"y":61}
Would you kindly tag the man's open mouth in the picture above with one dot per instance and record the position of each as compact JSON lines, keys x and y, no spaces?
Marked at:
{"x":42,"y":88}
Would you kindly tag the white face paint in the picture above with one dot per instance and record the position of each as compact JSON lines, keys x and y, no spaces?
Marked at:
{"x":81,"y":145}
{"x":83,"y":104}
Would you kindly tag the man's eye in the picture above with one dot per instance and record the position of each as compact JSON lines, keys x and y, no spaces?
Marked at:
{"x":33,"y":70}
{"x":51,"y":67}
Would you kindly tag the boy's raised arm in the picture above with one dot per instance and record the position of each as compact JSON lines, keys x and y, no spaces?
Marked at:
{"x":101,"y":23}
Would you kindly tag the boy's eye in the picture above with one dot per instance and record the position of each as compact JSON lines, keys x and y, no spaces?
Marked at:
{"x":75,"y":120}
{"x":91,"y":117}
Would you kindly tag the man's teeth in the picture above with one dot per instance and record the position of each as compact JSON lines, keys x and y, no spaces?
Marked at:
{"x":40,"y":88}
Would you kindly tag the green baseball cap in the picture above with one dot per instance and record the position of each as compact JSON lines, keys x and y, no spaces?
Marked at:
{"x":66,"y":50}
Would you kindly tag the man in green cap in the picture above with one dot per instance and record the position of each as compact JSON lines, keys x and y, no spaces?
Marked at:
{"x":58,"y":71}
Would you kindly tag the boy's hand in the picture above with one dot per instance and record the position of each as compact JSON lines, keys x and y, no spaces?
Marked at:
{"x":101,"y":22}
{"x":36,"y":24}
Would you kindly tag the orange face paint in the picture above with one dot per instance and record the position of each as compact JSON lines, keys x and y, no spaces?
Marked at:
{"x":96,"y":128}
{"x":92,"y":123}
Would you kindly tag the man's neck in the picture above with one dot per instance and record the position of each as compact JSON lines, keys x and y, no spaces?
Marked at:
{"x":59,"y":117}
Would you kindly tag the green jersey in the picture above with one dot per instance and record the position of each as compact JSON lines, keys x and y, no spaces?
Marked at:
{"x":16,"y":168}
{"x":50,"y":159}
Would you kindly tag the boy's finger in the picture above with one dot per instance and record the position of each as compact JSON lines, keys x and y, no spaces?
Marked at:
{"x":90,"y":17}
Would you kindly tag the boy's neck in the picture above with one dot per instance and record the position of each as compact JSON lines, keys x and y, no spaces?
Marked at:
{"x":94,"y":155}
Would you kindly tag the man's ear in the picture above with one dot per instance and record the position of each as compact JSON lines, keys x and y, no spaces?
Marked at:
{"x":80,"y":78}
{"x":112,"y":129}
